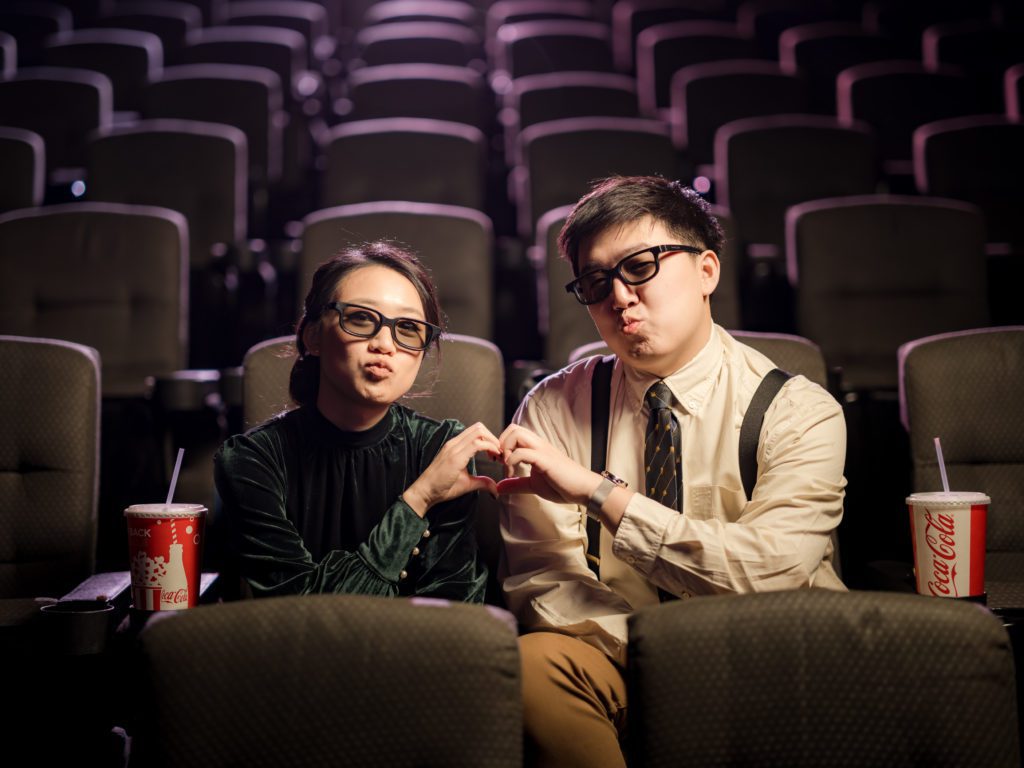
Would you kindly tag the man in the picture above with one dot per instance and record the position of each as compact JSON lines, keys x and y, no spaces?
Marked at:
{"x":644,"y":253}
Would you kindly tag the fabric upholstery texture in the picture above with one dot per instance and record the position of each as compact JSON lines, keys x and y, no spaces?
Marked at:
{"x":49,"y":470}
{"x":142,"y":162}
{"x":432,"y":161}
{"x":872,"y":272}
{"x":816,"y":678}
{"x":108,"y":276}
{"x":328,"y":680}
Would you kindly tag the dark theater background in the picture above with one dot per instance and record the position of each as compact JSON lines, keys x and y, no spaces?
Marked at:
{"x":173,"y":171}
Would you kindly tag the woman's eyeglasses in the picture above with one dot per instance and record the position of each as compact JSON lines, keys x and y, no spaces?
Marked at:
{"x":634,"y":269}
{"x":365,"y":322}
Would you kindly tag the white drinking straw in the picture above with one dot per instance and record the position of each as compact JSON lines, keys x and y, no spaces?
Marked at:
{"x":181,"y":452}
{"x":942,"y":465}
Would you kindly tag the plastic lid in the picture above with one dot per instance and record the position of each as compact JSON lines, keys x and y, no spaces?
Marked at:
{"x":165,"y":511}
{"x":949,"y":499}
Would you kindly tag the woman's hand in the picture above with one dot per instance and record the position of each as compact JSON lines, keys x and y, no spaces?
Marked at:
{"x":553,"y":475}
{"x":447,"y":477}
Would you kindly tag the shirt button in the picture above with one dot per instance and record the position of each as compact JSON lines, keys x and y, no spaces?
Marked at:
{"x":403,"y":575}
{"x":631,"y":560}
{"x":691,"y":404}
{"x":426,"y":534}
{"x":686,"y":595}
{"x":415,"y":551}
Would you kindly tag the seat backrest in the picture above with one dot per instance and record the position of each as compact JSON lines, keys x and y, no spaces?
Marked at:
{"x":170,"y":20}
{"x":875,"y":271}
{"x":511,"y":11}
{"x":112,"y":277}
{"x":433,"y":91}
{"x":631,"y":18}
{"x":764,"y":165}
{"x":895,"y":97}
{"x":62,"y":105}
{"x":426,"y":161}
{"x":764,"y":657}
{"x":398,"y":11}
{"x":793,"y":354}
{"x":32,"y":24}
{"x":1013,"y":92}
{"x":282,"y":50}
{"x":981,"y":48}
{"x":455,"y":243}
{"x":142,"y":162}
{"x":663,"y":50}
{"x":49,"y":456}
{"x":566,"y":325}
{"x":977,"y":159}
{"x":468,"y":383}
{"x":307,"y":18}
{"x":203,"y":704}
{"x":765,"y":20}
{"x":965,"y":389}
{"x":819,"y":52}
{"x":249,"y":98}
{"x":416,"y":42}
{"x":8,"y":55}
{"x":704,"y":97}
{"x":23,"y":158}
{"x":563,"y":157}
{"x":555,"y":45}
{"x":130,"y":58}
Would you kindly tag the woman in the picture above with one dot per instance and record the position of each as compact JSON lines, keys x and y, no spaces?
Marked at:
{"x":353,"y":492}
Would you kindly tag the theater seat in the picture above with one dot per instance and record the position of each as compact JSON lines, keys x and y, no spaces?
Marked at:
{"x":330,"y":679}
{"x":814,"y":678}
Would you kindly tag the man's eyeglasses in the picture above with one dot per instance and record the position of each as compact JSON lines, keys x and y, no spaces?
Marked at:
{"x":366,"y":322}
{"x":634,"y":269}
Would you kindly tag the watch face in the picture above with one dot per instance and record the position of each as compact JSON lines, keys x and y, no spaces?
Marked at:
{"x":614,"y":479}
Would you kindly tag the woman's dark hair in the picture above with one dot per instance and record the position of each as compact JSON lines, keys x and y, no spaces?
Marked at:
{"x":305,"y":377}
{"x":620,"y":200}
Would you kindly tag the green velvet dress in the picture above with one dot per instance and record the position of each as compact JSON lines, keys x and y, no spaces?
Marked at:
{"x":310,"y":508}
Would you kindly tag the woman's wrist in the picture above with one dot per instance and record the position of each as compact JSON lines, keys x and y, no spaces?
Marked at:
{"x":415,"y":501}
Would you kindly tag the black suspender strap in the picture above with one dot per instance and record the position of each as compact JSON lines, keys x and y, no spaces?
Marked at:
{"x":750,"y":434}
{"x":750,"y":431}
{"x":600,"y":401}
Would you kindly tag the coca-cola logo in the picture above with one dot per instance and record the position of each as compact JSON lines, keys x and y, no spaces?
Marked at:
{"x":174,"y":597}
{"x":939,"y":534}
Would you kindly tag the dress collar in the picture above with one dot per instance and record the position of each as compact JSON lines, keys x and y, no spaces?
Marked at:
{"x":690,"y":385}
{"x":331,"y":435}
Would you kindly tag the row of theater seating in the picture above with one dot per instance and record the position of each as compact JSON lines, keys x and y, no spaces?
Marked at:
{"x":191,"y":668}
{"x":898,"y":267}
{"x":553,"y":161}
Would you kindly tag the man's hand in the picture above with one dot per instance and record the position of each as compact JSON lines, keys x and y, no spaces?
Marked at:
{"x":553,"y":475}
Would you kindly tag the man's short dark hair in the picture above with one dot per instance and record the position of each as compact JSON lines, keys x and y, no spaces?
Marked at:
{"x":620,"y":200}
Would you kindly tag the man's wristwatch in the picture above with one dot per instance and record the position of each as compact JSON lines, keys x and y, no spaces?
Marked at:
{"x":600,"y":494}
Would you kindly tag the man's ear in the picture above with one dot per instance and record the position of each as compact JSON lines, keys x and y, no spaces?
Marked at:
{"x":710,"y":271}
{"x":311,"y":338}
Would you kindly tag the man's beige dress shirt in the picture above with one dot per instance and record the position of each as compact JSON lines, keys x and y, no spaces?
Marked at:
{"x":721,"y":543}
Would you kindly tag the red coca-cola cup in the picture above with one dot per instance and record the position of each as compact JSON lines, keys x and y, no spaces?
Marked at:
{"x":165,"y":555}
{"x":948,"y":531}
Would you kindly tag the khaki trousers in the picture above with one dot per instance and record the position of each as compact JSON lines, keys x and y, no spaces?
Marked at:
{"x":574,"y":703}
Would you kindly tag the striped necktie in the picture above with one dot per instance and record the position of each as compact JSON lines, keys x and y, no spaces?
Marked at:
{"x":662,"y":449}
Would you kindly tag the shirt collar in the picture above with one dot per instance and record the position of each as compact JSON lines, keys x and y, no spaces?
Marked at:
{"x":690,"y":385}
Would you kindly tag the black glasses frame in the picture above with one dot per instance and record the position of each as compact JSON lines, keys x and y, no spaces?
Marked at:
{"x":433,"y":331}
{"x":611,"y":273}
